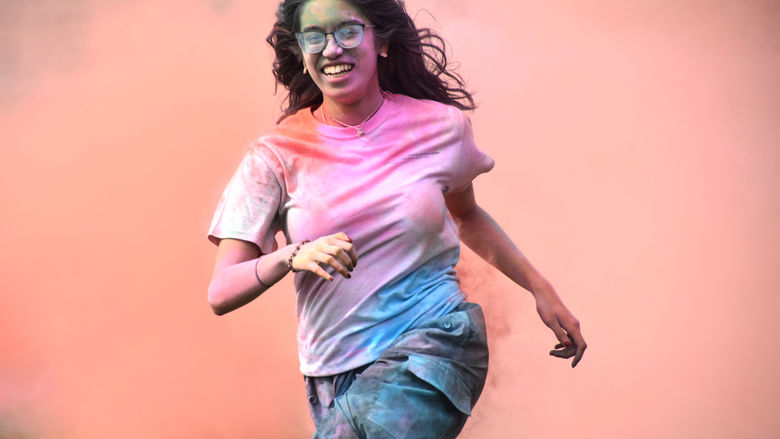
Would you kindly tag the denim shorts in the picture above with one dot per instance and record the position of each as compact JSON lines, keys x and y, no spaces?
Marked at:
{"x":423,"y":386}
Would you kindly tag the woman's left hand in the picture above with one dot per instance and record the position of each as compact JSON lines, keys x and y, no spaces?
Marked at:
{"x":566,"y":327}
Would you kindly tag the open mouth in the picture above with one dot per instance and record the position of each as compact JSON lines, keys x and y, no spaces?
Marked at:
{"x":337,"y":70}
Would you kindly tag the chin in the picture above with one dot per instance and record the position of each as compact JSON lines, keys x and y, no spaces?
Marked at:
{"x":341,"y":96}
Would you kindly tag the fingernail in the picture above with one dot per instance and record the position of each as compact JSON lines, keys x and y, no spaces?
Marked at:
{"x":330,"y":278}
{"x":349,"y":276}
{"x":567,"y":343}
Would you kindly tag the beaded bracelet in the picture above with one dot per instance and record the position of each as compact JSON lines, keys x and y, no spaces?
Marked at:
{"x":295,"y":252}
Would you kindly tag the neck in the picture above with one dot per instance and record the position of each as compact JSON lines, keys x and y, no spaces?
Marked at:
{"x":354,"y":113}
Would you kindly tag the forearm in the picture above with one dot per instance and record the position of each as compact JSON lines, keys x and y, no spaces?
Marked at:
{"x":480,"y":232}
{"x":234,"y":285}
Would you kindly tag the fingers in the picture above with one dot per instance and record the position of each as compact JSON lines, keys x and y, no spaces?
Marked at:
{"x":336,"y":251}
{"x":578,"y":357}
{"x":581,"y":346}
{"x":316,"y":269}
{"x":574,"y":333}
{"x":334,"y":262}
{"x":344,"y":250}
{"x":564,"y":325}
{"x":342,"y":236}
{"x":344,"y":242}
{"x":561,"y":335}
{"x":343,"y":257}
{"x":575,"y":349}
{"x":563,"y":352}
{"x":352,"y":255}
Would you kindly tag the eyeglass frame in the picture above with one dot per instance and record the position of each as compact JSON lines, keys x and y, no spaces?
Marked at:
{"x":363,"y":26}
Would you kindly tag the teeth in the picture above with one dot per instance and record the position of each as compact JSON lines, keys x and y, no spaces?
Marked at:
{"x":334,"y":70}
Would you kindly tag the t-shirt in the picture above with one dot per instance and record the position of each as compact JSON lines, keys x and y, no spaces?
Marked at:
{"x":384,"y":189}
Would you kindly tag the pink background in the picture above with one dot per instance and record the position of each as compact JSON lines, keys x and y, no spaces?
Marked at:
{"x":638,"y":165}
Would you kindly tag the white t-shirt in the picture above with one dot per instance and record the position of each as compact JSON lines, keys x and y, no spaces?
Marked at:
{"x":385,"y":189}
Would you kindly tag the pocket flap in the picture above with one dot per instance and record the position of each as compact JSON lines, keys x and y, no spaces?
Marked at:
{"x":444,"y":378}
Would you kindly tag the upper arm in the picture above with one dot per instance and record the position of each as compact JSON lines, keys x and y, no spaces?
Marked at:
{"x":462,"y":203}
{"x":249,"y":207}
{"x":234,"y":251}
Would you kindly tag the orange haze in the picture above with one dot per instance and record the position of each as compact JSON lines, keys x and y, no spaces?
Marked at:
{"x":638,"y":165}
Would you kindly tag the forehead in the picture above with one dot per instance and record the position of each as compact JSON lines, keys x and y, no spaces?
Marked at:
{"x":329,"y":13}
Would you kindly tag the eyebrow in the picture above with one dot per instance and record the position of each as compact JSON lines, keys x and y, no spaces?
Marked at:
{"x":342,"y":23}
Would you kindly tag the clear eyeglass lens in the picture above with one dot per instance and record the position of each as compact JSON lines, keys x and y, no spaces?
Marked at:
{"x":313,"y":39}
{"x":347,"y":36}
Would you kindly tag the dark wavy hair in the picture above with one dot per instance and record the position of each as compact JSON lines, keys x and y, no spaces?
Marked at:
{"x":416,"y":64}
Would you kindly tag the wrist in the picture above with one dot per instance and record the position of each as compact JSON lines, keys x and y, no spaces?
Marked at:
{"x":539,"y":286}
{"x":294,"y":253}
{"x":284,"y":256}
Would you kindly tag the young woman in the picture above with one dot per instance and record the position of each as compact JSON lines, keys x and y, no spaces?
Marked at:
{"x":372,"y":162}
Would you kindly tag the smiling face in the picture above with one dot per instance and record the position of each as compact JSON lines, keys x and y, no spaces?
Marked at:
{"x":346,"y":77}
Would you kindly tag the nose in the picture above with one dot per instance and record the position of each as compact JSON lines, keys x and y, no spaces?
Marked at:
{"x":332,"y":49}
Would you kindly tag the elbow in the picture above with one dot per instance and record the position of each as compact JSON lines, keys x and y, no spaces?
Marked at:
{"x":218,"y":305}
{"x":218,"y":310}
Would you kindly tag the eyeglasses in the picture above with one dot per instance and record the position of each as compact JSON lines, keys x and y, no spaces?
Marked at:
{"x":347,"y":36}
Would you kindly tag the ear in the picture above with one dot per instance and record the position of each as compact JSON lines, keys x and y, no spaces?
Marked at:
{"x":383,"y":50}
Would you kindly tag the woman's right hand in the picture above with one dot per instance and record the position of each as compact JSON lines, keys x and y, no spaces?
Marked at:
{"x":334,"y":250}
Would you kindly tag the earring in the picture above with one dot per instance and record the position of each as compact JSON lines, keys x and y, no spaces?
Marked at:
{"x":383,"y":54}
{"x":304,"y":69}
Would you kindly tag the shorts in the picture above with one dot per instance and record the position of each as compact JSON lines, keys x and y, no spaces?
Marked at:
{"x":423,"y":386}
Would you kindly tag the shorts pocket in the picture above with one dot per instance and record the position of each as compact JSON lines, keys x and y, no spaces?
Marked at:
{"x":444,"y":378}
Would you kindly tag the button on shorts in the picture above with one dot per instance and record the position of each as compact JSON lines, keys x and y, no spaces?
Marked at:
{"x":423,"y":386}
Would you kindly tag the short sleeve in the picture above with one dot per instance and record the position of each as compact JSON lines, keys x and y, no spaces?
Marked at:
{"x":248,"y":209}
{"x":469,"y":160}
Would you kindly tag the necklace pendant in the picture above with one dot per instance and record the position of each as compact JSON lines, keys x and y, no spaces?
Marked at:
{"x":360,"y":131}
